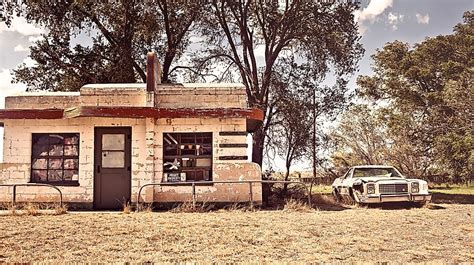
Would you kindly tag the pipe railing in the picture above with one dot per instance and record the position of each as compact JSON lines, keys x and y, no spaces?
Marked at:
{"x":194,"y":183}
{"x":33,"y":185}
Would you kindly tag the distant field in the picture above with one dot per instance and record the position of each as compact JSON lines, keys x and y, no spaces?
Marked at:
{"x":454,"y":189}
{"x":442,"y":233}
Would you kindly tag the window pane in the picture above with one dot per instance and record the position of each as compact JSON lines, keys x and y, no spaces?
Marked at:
{"x":71,"y":150}
{"x":56,"y":139}
{"x":74,"y":139}
{"x":113,"y":142}
{"x":71,"y":175}
{"x":71,"y":163}
{"x":40,"y":150}
{"x":113,"y":159}
{"x":205,"y":150}
{"x":55,"y":175}
{"x":40,"y":164}
{"x":56,"y":150}
{"x":39,"y":175}
{"x":39,"y":139}
{"x":55,"y":163}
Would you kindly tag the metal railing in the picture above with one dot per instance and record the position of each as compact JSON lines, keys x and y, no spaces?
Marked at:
{"x":194,"y":183}
{"x":33,"y":185}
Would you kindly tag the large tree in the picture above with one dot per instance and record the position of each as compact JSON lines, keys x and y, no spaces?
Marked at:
{"x":120,"y":33}
{"x":315,"y":35}
{"x":428,"y":93}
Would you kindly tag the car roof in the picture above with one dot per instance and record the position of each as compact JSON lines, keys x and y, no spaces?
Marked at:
{"x":372,"y":166}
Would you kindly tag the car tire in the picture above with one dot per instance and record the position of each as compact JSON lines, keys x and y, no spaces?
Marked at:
{"x":336,"y":196}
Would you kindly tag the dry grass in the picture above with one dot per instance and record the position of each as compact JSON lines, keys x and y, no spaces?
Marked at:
{"x":293,"y":205}
{"x":126,"y":208}
{"x":32,"y":209}
{"x":348,"y":235}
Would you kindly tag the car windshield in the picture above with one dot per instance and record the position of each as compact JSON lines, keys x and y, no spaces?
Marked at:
{"x":376,"y":172}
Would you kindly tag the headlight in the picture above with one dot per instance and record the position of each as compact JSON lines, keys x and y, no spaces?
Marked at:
{"x":415,"y":187}
{"x":370,"y":188}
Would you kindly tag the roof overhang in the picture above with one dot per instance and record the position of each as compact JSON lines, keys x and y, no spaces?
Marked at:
{"x":253,"y":116}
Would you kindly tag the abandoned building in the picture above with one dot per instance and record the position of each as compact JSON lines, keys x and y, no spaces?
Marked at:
{"x":100,"y":145}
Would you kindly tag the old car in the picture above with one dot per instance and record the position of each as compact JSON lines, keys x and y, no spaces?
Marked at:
{"x":378,"y":184}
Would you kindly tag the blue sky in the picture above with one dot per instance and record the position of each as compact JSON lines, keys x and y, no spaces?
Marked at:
{"x":380,"y":21}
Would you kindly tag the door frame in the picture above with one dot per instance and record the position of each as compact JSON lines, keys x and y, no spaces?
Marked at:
{"x":98,"y":155}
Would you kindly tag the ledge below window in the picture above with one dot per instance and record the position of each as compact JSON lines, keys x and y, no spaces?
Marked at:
{"x":60,"y":183}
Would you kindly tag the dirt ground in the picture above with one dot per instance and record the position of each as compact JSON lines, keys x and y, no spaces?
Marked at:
{"x":443,"y":233}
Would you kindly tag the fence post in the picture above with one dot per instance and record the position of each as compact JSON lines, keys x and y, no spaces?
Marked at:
{"x":194,"y":195}
{"x":14,"y":196}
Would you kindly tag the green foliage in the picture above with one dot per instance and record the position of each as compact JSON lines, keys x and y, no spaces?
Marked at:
{"x":427,"y":94}
{"x":120,"y":32}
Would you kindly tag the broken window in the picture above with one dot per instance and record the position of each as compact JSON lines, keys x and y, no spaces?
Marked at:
{"x":187,"y":157}
{"x":55,"y":158}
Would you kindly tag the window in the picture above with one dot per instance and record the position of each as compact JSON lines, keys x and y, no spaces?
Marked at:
{"x":187,"y":157}
{"x":55,"y":158}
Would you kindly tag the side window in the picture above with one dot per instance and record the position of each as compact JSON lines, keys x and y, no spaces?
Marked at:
{"x":348,"y":173}
{"x":55,"y":158}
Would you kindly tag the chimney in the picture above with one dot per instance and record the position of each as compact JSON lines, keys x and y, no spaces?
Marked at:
{"x":153,"y":72}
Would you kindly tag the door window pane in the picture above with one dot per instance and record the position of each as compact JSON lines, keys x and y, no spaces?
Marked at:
{"x":113,"y":142}
{"x":113,"y":159}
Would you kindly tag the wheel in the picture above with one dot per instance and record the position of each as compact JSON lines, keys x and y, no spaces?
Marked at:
{"x":336,"y":195}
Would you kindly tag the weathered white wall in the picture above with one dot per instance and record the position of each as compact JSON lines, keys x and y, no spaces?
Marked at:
{"x":147,"y":158}
{"x":17,"y":154}
{"x":222,"y":169}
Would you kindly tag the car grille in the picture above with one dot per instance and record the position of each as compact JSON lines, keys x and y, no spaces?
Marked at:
{"x":393,"y":188}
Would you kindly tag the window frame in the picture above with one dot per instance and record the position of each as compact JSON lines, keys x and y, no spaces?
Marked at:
{"x":199,"y":139}
{"x":48,"y":157}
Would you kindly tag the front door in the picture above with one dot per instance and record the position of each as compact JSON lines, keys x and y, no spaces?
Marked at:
{"x":112,"y":167}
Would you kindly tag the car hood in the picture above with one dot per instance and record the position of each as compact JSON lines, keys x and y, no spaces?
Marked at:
{"x":381,"y":179}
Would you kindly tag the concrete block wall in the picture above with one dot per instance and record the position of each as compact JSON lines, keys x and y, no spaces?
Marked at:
{"x":17,"y":155}
{"x":200,"y":96}
{"x":147,"y":158}
{"x":129,"y":95}
{"x":222,"y":169}
{"x":58,"y":100}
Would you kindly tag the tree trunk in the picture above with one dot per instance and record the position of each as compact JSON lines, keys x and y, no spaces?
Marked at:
{"x":257,"y":157}
{"x":257,"y":147}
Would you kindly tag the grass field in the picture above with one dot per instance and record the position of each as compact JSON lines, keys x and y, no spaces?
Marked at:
{"x":453,"y":189}
{"x":443,"y":233}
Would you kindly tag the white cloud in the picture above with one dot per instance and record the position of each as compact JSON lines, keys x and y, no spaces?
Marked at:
{"x":20,"y":48}
{"x":29,"y":62}
{"x":20,"y":25}
{"x":6,"y":87}
{"x":371,"y":12}
{"x":394,"y":20}
{"x":422,"y":19}
{"x":34,"y":38}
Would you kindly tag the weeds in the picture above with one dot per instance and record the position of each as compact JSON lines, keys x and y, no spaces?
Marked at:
{"x":58,"y":210}
{"x":32,"y":209}
{"x":293,"y":205}
{"x":126,"y":208}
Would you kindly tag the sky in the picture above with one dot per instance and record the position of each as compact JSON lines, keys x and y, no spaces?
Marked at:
{"x":380,"y":21}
